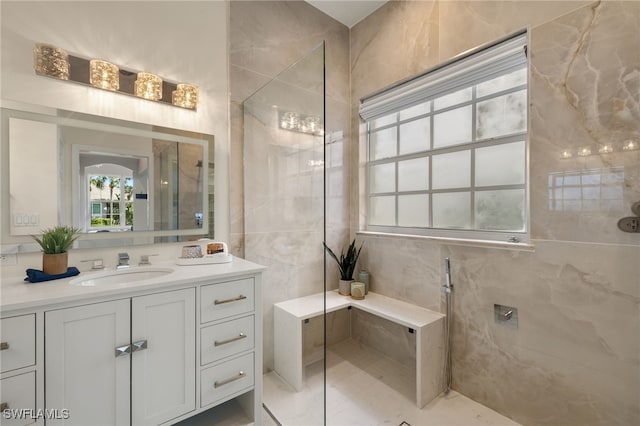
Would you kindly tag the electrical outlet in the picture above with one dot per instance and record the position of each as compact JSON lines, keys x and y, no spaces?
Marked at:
{"x":8,"y":259}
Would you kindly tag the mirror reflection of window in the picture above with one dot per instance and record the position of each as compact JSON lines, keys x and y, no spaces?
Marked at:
{"x":114,"y":192}
{"x":111,"y":202}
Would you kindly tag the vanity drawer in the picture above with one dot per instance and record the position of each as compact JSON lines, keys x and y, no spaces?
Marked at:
{"x":18,"y":342}
{"x":223,"y":300}
{"x":226,"y":339}
{"x":19,"y":393}
{"x":226,"y":379}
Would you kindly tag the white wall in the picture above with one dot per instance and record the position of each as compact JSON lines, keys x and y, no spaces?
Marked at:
{"x":181,"y":41}
{"x":28,"y":195}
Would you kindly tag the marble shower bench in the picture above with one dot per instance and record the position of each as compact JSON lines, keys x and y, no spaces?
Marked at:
{"x":428,"y":326}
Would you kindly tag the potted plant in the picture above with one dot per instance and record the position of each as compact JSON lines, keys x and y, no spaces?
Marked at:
{"x":346,"y":265}
{"x":55,"y":242}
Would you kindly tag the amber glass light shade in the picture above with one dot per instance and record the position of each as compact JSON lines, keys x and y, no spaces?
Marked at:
{"x":51,"y":61}
{"x":185,"y":96}
{"x":104,"y":75}
{"x":148,"y":86}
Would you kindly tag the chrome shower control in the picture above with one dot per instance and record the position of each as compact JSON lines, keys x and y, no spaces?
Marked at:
{"x":505,"y":315}
{"x":629,"y":224}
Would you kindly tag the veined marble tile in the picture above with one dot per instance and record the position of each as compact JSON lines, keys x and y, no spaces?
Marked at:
{"x":294,"y":262}
{"x":268,"y":37}
{"x":578,"y":312}
{"x":313,"y":334}
{"x":465,"y":25}
{"x":285,"y":189}
{"x":405,"y":269}
{"x":236,"y":174}
{"x":385,"y":336}
{"x":244,"y":82}
{"x":585,"y":99}
{"x":396,"y":41}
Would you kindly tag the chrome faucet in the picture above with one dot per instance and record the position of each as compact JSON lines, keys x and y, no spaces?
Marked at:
{"x":97,"y":263}
{"x":144,"y":259}
{"x":123,"y":261}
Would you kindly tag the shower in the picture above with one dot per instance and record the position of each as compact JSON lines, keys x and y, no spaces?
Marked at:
{"x":447,"y":289}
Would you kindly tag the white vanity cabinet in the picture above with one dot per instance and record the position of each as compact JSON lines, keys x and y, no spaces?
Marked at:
{"x":83,"y":374}
{"x":150,"y":352}
{"x":228,"y":340}
{"x":17,"y":365}
{"x":130,"y":357}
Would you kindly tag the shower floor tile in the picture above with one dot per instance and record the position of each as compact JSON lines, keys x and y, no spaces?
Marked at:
{"x":356,"y":397}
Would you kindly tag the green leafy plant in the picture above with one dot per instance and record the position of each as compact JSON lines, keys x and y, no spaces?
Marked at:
{"x":57,"y":239}
{"x":347,"y":261}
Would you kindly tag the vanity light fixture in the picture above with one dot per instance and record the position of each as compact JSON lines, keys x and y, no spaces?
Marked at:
{"x":584,"y":151}
{"x":289,"y":121}
{"x":104,"y":75}
{"x":148,"y":86}
{"x":295,"y":122}
{"x":566,"y":154}
{"x":310,"y":125}
{"x":55,"y":62}
{"x":185,"y":96}
{"x":51,"y":61}
{"x":605,"y":149}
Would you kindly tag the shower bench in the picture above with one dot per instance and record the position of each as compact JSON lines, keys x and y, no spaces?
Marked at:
{"x":428,"y":325}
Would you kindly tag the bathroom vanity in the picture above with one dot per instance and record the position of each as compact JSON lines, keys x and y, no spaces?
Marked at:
{"x":147,"y":345}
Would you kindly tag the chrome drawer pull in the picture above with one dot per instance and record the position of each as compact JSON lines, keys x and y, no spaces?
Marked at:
{"x":239,"y":376}
{"x":233,"y":339}
{"x":138,"y":346}
{"x":235,"y":299}
{"x":4,"y":406}
{"x":123,"y":350}
{"x":4,"y":345}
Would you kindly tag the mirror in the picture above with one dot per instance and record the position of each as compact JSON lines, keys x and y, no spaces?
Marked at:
{"x":111,"y":179}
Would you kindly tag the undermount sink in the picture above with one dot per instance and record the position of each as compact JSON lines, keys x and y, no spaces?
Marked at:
{"x":121,"y":276}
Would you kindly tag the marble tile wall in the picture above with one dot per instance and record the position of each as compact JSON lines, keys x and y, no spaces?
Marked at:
{"x":575,"y":358}
{"x":389,"y":338}
{"x":283,"y":229}
{"x":338,"y":329}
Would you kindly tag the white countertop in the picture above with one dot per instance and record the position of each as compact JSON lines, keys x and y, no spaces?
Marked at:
{"x":15,"y":293}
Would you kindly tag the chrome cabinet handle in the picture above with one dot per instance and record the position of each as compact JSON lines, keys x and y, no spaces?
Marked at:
{"x":233,"y":339}
{"x":4,"y":406}
{"x":4,"y":345}
{"x":235,"y":299}
{"x":138,"y":346}
{"x":238,"y":376}
{"x":123,"y":350}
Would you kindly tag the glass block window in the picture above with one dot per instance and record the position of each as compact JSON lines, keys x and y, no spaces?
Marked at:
{"x":447,"y":150}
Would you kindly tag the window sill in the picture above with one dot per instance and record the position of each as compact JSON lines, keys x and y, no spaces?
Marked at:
{"x":530,"y":247}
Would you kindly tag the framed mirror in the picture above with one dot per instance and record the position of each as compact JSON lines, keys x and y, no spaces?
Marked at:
{"x":119,"y":182}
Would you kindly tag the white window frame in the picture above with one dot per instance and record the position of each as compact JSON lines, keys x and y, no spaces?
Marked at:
{"x":479,"y":65}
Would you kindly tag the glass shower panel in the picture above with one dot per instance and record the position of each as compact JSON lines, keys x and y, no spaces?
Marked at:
{"x":284,"y":220}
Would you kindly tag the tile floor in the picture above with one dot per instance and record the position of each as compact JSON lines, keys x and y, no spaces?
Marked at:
{"x":371,"y":393}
